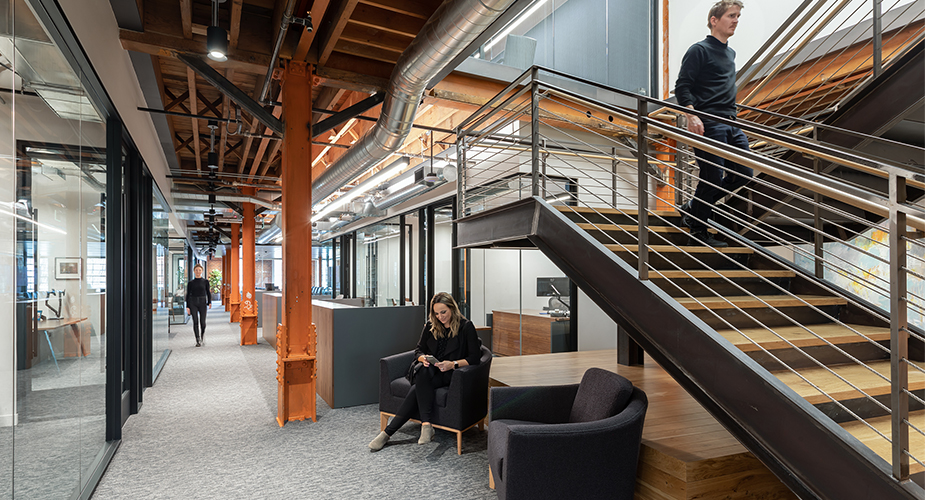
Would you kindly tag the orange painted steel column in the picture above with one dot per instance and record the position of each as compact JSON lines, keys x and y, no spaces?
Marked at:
{"x":222,"y":287}
{"x":295,"y":337}
{"x":664,"y":191}
{"x":249,"y":260}
{"x":226,"y":280}
{"x":235,"y":289}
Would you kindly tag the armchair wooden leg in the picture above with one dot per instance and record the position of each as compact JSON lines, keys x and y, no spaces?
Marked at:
{"x":383,"y":421}
{"x":491,"y":479}
{"x":482,"y":424}
{"x":459,"y":442}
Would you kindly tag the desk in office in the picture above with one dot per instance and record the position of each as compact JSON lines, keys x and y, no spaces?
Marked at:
{"x":542,"y":333}
{"x":75,"y":344}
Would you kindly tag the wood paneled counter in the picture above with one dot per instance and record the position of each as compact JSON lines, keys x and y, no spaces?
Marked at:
{"x":542,"y":333}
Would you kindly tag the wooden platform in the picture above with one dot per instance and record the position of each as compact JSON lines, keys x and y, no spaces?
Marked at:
{"x":685,"y":454}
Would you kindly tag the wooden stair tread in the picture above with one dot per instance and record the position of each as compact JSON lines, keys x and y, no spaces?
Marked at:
{"x":679,"y":249}
{"x":748,"y":301}
{"x":727,"y":273}
{"x":858,"y":375}
{"x":883,"y":447}
{"x":631,"y":228}
{"x":614,"y":211}
{"x":833,"y":332}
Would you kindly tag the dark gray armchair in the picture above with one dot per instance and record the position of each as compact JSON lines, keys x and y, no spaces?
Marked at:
{"x":457,"y":408}
{"x":567,"y":441}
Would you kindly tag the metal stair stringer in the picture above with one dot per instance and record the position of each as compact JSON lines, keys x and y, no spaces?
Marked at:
{"x":811,"y":454}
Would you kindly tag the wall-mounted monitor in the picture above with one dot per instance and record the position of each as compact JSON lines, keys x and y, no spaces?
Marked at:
{"x":552,"y":287}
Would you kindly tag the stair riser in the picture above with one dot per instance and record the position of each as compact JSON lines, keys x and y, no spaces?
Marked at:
{"x":630,"y":238}
{"x":683,"y":261}
{"x":828,"y":355}
{"x":709,"y":287}
{"x":767,"y":317}
{"x":865,"y":408}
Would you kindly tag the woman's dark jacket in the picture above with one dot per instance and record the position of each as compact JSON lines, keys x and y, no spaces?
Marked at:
{"x":198,"y":287}
{"x":465,"y":345}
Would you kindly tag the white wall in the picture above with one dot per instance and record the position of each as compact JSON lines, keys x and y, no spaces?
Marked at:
{"x":443,"y":260}
{"x":595,"y":329}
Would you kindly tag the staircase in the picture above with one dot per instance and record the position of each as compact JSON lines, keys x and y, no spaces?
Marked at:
{"x":849,"y":350}
{"x":810,"y":378}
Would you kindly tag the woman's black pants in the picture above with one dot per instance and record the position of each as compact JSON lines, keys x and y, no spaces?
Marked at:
{"x":420,"y":397}
{"x":197,"y":309}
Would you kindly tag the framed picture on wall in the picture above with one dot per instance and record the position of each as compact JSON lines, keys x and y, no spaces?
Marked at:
{"x":67,"y":268}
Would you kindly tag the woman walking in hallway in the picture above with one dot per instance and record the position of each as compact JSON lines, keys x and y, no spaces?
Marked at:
{"x":198,"y":300}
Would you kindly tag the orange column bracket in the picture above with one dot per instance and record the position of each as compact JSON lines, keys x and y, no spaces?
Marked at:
{"x":296,"y":344}
{"x":235,"y":260}
{"x":249,"y":260}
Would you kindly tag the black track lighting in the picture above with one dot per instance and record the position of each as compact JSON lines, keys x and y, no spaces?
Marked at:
{"x":217,"y":37}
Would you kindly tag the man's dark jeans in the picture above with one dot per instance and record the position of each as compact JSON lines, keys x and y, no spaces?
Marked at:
{"x":718,"y":175}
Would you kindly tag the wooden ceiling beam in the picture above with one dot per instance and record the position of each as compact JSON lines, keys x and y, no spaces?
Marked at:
{"x":348,"y":80}
{"x":411,"y":8}
{"x":191,"y":78}
{"x":367,"y":52}
{"x":273,"y":151}
{"x":159,"y":77}
{"x":213,"y":106}
{"x":174,"y":97}
{"x":169,"y":46}
{"x":331,"y":30}
{"x":183,"y":144}
{"x":264,"y":143}
{"x":392,"y":22}
{"x":186,"y":18}
{"x":247,"y":146}
{"x":375,"y":38}
{"x":235,"y":32}
{"x":319,"y":8}
{"x":226,"y":111}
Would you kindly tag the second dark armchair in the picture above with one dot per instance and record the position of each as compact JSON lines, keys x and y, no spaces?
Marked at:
{"x":457,"y":408}
{"x":567,"y":441}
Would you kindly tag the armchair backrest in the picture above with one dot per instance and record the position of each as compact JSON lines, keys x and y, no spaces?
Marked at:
{"x":601,"y":394}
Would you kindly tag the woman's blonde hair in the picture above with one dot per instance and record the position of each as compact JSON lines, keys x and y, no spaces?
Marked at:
{"x":456,"y":317}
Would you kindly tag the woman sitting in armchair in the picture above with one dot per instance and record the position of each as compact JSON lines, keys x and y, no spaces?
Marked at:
{"x":448,"y":342}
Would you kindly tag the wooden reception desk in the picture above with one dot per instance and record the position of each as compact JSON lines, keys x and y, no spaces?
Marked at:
{"x":542,"y":334}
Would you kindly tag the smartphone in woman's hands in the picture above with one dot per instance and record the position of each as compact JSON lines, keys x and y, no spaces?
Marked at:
{"x":430,"y":359}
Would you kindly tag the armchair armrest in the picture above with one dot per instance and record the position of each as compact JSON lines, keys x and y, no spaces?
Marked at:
{"x":394,"y":366}
{"x":544,"y":404}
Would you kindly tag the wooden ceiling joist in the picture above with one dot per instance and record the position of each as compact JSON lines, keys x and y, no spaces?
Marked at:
{"x":330,"y":30}
{"x":191,"y":77}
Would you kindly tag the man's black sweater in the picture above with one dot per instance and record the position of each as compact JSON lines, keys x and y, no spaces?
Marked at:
{"x":198,"y":287}
{"x":707,"y":78}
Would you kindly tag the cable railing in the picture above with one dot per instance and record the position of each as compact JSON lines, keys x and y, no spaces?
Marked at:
{"x":806,"y":75}
{"x":623,"y":177}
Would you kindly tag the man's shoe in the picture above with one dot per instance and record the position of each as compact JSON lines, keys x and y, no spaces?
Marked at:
{"x":198,"y":344}
{"x":379,"y":441}
{"x":707,"y":239}
{"x":686,"y":218}
{"x":427,"y":433}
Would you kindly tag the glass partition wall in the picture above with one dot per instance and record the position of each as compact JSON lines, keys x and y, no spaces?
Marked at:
{"x":53,"y":229}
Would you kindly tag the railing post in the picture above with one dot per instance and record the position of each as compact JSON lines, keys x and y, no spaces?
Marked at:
{"x":877,"y":39}
{"x":899,"y":333}
{"x":642,"y":183}
{"x":535,"y":131}
{"x":819,"y":234}
{"x":613,"y":167}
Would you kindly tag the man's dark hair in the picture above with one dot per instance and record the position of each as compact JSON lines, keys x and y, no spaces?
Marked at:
{"x":719,"y":9}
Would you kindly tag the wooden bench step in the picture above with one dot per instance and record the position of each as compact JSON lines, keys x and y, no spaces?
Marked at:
{"x":678,"y":250}
{"x":833,"y":332}
{"x":710,"y":273}
{"x":748,"y":302}
{"x":631,"y":228}
{"x":861,"y":377}
{"x":614,"y":211}
{"x":883,"y":447}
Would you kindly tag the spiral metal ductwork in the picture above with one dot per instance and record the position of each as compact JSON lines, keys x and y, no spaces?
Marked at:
{"x":454,"y":25}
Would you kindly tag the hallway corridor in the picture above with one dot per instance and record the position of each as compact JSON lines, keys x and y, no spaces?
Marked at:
{"x":208,"y":429}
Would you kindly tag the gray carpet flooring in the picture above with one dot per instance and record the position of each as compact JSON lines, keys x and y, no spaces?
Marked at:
{"x":208,"y":429}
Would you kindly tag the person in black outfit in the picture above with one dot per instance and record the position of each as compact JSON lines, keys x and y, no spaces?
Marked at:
{"x":198,"y":299}
{"x":449,"y":337}
{"x":706,"y":82}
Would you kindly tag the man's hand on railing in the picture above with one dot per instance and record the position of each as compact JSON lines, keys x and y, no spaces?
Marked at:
{"x":694,"y":124}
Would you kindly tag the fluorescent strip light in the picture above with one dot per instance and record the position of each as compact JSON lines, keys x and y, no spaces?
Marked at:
{"x":39,"y":224}
{"x":383,"y":175}
{"x":506,"y":31}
